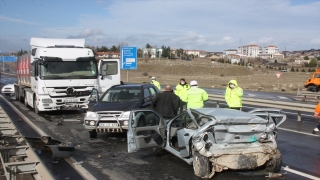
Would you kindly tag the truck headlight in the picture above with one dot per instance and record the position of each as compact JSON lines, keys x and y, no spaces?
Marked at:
{"x":46,"y":100}
{"x":125,"y":114}
{"x":91,"y":114}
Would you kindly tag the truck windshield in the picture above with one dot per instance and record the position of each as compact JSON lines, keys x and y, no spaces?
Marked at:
{"x":84,"y":69}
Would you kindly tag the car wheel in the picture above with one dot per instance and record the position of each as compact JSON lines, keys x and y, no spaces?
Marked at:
{"x":93,"y":134}
{"x":312,"y":88}
{"x":201,"y":165}
{"x":274,"y":165}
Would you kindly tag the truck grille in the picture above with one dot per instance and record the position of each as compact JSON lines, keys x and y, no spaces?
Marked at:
{"x":70,"y":92}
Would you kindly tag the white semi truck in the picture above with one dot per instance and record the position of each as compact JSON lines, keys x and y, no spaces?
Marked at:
{"x":59,"y":74}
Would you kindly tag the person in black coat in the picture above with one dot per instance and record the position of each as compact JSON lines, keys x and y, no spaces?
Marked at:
{"x":166,"y":103}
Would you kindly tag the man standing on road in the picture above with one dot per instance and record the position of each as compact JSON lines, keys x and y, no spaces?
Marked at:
{"x":316,"y":115}
{"x":166,"y":103}
{"x":233,"y":95}
{"x":180,"y":90}
{"x":155,"y":82}
{"x":195,"y":96}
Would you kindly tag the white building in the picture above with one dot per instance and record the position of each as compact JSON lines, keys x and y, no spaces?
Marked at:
{"x":251,"y":50}
{"x":271,"y":49}
{"x":196,"y":53}
{"x":230,"y":51}
{"x":152,"y":52}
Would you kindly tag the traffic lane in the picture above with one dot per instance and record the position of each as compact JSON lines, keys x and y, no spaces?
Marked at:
{"x":106,"y":157}
{"x":7,"y":79}
{"x":300,"y":152}
{"x":61,"y":170}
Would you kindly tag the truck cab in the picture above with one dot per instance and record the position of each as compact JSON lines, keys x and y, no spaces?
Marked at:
{"x":59,"y":74}
{"x":313,"y":84}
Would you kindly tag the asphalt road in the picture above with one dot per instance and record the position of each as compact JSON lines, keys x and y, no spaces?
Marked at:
{"x":106,"y":157}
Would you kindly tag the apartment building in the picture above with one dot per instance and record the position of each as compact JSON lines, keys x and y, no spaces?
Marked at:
{"x":251,"y":50}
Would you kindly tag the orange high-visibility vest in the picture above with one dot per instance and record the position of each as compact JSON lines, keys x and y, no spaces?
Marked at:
{"x":317,"y":111}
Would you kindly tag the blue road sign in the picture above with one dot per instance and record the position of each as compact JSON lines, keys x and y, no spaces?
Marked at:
{"x":128,"y":57}
{"x":9,"y":58}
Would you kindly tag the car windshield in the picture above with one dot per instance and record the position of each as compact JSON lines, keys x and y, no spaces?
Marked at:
{"x":123,"y":94}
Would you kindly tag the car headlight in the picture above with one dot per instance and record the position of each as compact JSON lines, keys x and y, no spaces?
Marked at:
{"x":91,"y":114}
{"x":125,"y":123}
{"x":125,"y":114}
{"x":90,"y":122}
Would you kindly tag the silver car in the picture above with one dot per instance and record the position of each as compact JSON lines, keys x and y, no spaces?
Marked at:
{"x":8,"y":89}
{"x":211,"y":139}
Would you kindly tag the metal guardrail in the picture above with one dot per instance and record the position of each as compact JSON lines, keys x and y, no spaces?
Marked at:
{"x":19,"y":160}
{"x":8,"y":74}
{"x":299,"y":107}
{"x":305,"y":94}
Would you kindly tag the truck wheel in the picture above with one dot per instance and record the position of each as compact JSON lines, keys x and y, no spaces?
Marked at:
{"x":312,"y":88}
{"x":25,"y":100}
{"x":93,"y":134}
{"x":36,"y":110}
{"x":274,"y":165}
{"x":201,"y":165}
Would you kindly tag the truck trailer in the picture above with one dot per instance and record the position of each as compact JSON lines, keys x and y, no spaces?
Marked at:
{"x":59,"y":74}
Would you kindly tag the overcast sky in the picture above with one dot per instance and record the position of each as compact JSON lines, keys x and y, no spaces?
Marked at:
{"x":210,"y":25}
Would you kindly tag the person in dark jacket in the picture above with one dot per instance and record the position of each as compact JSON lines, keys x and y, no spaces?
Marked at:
{"x":166,"y":103}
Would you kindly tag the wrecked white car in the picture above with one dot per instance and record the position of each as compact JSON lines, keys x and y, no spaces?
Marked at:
{"x":211,"y":139}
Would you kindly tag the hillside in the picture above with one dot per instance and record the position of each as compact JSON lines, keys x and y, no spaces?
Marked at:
{"x":215,"y":75}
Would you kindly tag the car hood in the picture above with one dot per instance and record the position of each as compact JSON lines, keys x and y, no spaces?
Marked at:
{"x":115,"y":106}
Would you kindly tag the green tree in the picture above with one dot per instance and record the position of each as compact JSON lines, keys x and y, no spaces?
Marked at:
{"x":148,"y":45}
{"x":306,"y":58}
{"x":313,"y":63}
{"x":114,"y":49}
{"x":318,"y":58}
{"x":292,"y":69}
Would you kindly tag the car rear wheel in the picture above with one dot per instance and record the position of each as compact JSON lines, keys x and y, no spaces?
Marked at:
{"x":201,"y":165}
{"x":93,"y":133}
{"x":274,"y":165}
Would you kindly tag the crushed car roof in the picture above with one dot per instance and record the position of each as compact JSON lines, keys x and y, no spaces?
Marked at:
{"x":226,"y":116}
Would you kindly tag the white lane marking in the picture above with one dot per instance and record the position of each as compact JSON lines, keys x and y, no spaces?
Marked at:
{"x":73,"y":163}
{"x":282,"y":97}
{"x":78,"y":167}
{"x":298,"y":132}
{"x":252,"y":95}
{"x":300,"y":173}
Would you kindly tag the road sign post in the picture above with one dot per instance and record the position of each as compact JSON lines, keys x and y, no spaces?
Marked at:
{"x":128,"y":58}
{"x":278,"y":75}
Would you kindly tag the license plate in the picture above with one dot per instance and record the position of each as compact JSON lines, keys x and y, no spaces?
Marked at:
{"x":108,"y":124}
{"x":71,"y":100}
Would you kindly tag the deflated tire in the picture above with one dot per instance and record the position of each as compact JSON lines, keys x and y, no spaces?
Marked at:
{"x":201,"y":165}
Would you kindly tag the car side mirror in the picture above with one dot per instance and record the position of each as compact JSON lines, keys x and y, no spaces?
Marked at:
{"x":94,"y":97}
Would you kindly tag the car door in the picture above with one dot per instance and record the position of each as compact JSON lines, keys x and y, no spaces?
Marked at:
{"x":146,"y":129}
{"x":185,"y":133}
